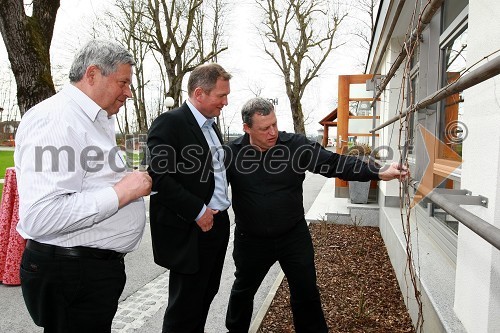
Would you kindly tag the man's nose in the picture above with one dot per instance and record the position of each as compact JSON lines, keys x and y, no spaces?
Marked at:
{"x":128,"y":92}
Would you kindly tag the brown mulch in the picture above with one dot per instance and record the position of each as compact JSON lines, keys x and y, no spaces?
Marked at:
{"x":359,"y":291}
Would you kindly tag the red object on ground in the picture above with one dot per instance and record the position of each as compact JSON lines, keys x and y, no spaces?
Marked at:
{"x":11,"y":243}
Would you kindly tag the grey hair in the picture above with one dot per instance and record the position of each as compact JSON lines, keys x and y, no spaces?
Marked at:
{"x":106,"y":55}
{"x":206,"y":76}
{"x":255,"y":105}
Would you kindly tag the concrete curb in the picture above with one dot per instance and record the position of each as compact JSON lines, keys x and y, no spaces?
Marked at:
{"x":254,"y":327}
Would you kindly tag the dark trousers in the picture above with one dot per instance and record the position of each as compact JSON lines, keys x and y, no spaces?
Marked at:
{"x":190,"y":295}
{"x":71,"y":295}
{"x":253,"y":256}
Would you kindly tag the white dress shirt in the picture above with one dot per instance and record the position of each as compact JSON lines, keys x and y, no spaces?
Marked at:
{"x":67,"y":162}
{"x":220,"y":199}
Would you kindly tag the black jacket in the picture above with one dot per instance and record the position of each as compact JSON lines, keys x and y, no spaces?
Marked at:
{"x":267,"y":187}
{"x":182,"y":174}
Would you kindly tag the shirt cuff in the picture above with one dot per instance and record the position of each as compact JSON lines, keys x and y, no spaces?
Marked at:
{"x":107,"y":202}
{"x":203,"y":210}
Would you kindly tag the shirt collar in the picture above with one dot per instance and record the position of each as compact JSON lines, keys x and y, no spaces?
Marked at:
{"x":245,"y":139}
{"x":88,"y":106}
{"x":200,"y":119}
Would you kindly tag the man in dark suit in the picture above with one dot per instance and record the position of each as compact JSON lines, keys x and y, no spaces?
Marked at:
{"x":189,"y":220}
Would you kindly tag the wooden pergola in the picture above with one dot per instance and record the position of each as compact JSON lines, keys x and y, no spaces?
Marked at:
{"x":340,"y":117}
{"x":329,"y":121}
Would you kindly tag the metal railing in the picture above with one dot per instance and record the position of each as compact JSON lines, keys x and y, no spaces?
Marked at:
{"x":483,"y":73}
{"x":479,"y":226}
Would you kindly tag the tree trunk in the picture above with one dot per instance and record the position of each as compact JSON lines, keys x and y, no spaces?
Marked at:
{"x":27,"y":40}
{"x":297,"y":116}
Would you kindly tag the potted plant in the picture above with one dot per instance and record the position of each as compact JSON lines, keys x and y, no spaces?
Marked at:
{"x":358,"y":191}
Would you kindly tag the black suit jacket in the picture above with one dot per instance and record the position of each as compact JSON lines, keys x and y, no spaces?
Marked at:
{"x":182,"y":174}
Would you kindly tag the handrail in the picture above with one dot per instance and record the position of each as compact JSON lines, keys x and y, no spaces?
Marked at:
{"x":479,"y":226}
{"x":483,"y":73}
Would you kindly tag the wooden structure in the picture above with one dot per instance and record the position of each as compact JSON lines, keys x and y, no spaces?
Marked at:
{"x":329,"y":121}
{"x":343,"y":116}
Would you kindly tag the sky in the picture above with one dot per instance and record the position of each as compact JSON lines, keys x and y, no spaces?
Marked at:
{"x":245,"y":60}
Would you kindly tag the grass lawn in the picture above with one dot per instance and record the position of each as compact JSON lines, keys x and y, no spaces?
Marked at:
{"x":6,"y":161}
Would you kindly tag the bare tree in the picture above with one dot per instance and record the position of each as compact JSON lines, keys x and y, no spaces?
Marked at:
{"x":8,"y":103}
{"x":127,"y":24}
{"x":298,"y":35}
{"x":131,"y":29}
{"x":27,"y":40}
{"x":364,"y":26}
{"x":186,"y":33}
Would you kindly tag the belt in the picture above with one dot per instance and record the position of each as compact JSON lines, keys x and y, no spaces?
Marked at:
{"x":74,"y":252}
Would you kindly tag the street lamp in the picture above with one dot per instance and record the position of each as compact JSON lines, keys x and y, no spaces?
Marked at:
{"x":169,"y":102}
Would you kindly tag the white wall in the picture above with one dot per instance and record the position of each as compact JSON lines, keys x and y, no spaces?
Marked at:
{"x":477,"y":290}
{"x":388,"y":108}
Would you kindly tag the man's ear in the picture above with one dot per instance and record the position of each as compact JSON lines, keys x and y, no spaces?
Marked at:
{"x":197,"y":93}
{"x":246,"y":128}
{"x":91,"y":73}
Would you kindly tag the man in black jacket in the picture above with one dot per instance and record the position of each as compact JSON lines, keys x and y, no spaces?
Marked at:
{"x":189,"y":220}
{"x":266,"y":169}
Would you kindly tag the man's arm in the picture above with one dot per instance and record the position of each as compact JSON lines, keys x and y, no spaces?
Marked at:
{"x":316,"y":159}
{"x":345,"y":167}
{"x":51,"y":197}
{"x":166,"y":156}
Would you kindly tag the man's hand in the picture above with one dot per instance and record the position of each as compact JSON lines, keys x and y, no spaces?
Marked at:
{"x":134,"y":185}
{"x":394,"y":171}
{"x":206,"y":221}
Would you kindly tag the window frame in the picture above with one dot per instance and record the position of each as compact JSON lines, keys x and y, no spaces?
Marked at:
{"x":429,"y":69}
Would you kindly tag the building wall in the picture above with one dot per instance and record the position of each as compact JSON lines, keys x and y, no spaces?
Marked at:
{"x":436,"y":272}
{"x":477,"y":297}
{"x":462,"y":294}
{"x":389,"y":107}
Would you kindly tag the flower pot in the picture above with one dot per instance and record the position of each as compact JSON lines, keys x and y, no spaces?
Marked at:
{"x":358,"y":191}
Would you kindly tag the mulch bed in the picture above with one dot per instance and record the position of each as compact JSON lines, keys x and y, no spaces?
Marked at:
{"x":359,"y":291}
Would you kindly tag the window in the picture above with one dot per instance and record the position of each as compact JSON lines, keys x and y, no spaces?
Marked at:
{"x":410,"y":100}
{"x":454,"y":55}
{"x":447,"y":41}
{"x":451,"y":10}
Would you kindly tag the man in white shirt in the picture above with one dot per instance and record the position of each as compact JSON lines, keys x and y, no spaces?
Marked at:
{"x":79,"y":209}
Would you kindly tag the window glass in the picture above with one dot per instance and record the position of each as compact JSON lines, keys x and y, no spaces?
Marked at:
{"x":454,"y":65}
{"x":451,"y":9}
{"x":411,"y":99}
{"x":415,"y":56}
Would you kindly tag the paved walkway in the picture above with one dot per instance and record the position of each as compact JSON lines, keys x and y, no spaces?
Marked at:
{"x":143,"y":301}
